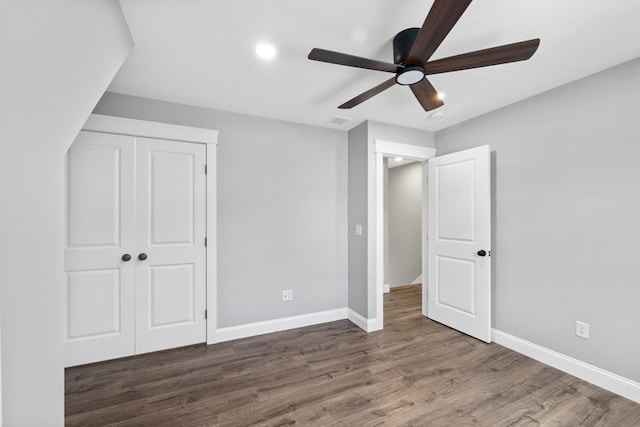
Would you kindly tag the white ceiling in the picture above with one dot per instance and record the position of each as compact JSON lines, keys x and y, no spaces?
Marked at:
{"x":201,"y":52}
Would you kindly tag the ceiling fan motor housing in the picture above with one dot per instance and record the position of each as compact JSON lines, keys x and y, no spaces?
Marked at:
{"x":402,"y":44}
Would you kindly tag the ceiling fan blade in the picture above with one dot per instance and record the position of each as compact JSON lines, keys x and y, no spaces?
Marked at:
{"x":352,"y":61}
{"x":426,"y":95}
{"x":368,"y":94}
{"x":441,"y":18}
{"x":513,"y":52}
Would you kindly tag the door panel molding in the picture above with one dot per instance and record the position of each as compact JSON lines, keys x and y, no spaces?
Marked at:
{"x":459,"y":270}
{"x":171,"y":281}
{"x":130,"y":129}
{"x":148,"y":129}
{"x":99,"y":316}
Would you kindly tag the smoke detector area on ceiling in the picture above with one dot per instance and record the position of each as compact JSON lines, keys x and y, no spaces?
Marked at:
{"x":337,"y":120}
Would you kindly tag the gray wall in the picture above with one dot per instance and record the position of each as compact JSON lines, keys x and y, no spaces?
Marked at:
{"x":358,"y":199}
{"x":282,"y":209}
{"x":362,"y":297}
{"x":566,"y":218}
{"x":404,"y":214}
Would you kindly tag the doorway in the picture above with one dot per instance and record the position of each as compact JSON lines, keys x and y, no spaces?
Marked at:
{"x":411,"y":152}
{"x":456,"y":242}
{"x":402,"y":222}
{"x":402,"y":233}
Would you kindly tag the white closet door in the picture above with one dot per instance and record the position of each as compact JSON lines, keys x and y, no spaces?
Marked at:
{"x":99,"y":231}
{"x":170,"y":232}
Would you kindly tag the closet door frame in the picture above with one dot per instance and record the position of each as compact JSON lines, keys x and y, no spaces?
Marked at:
{"x":157,"y":130}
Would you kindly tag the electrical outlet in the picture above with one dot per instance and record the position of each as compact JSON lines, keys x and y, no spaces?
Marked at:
{"x":287,"y":295}
{"x":582,"y":329}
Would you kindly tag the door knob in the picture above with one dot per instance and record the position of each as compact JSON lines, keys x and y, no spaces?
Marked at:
{"x":482,"y":252}
{"x":126,"y":257}
{"x":142,"y":256}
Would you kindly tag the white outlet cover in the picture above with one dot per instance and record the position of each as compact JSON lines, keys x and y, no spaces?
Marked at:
{"x":287,"y":295}
{"x":582,"y":329}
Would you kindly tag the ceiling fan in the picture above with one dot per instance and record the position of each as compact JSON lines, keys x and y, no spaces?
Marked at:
{"x":412,"y":49}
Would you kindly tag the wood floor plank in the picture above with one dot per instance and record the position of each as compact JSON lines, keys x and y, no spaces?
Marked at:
{"x":415,"y":372}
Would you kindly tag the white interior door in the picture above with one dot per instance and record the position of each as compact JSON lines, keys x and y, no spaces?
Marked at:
{"x":131,"y":198}
{"x":459,"y":241}
{"x":170,"y":231}
{"x":99,"y":231}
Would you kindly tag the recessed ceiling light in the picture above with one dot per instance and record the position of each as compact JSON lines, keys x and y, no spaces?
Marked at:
{"x":441,"y":95}
{"x":266,"y":51}
{"x":398,"y":159}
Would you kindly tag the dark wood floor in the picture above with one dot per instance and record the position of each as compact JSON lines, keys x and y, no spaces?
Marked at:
{"x":414,"y":373}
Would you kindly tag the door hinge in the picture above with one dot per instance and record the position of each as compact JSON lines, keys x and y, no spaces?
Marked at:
{"x":205,"y":169}
{"x":205,"y":314}
{"x":205,"y":242}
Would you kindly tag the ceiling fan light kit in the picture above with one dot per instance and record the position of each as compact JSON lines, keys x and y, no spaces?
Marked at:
{"x":410,"y":75}
{"x":412,"y":49}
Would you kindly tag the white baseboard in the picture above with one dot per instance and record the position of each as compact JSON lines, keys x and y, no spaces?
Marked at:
{"x":605,"y":379}
{"x":386,"y":289}
{"x":277,"y":325}
{"x":367,"y":325}
{"x":417,"y":280}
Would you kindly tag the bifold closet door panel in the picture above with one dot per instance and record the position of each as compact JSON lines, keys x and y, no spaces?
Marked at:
{"x":170,"y":237}
{"x":99,"y":233}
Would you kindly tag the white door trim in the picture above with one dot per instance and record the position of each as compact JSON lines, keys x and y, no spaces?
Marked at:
{"x":212,"y":241}
{"x":375,"y":234}
{"x":148,"y":129}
